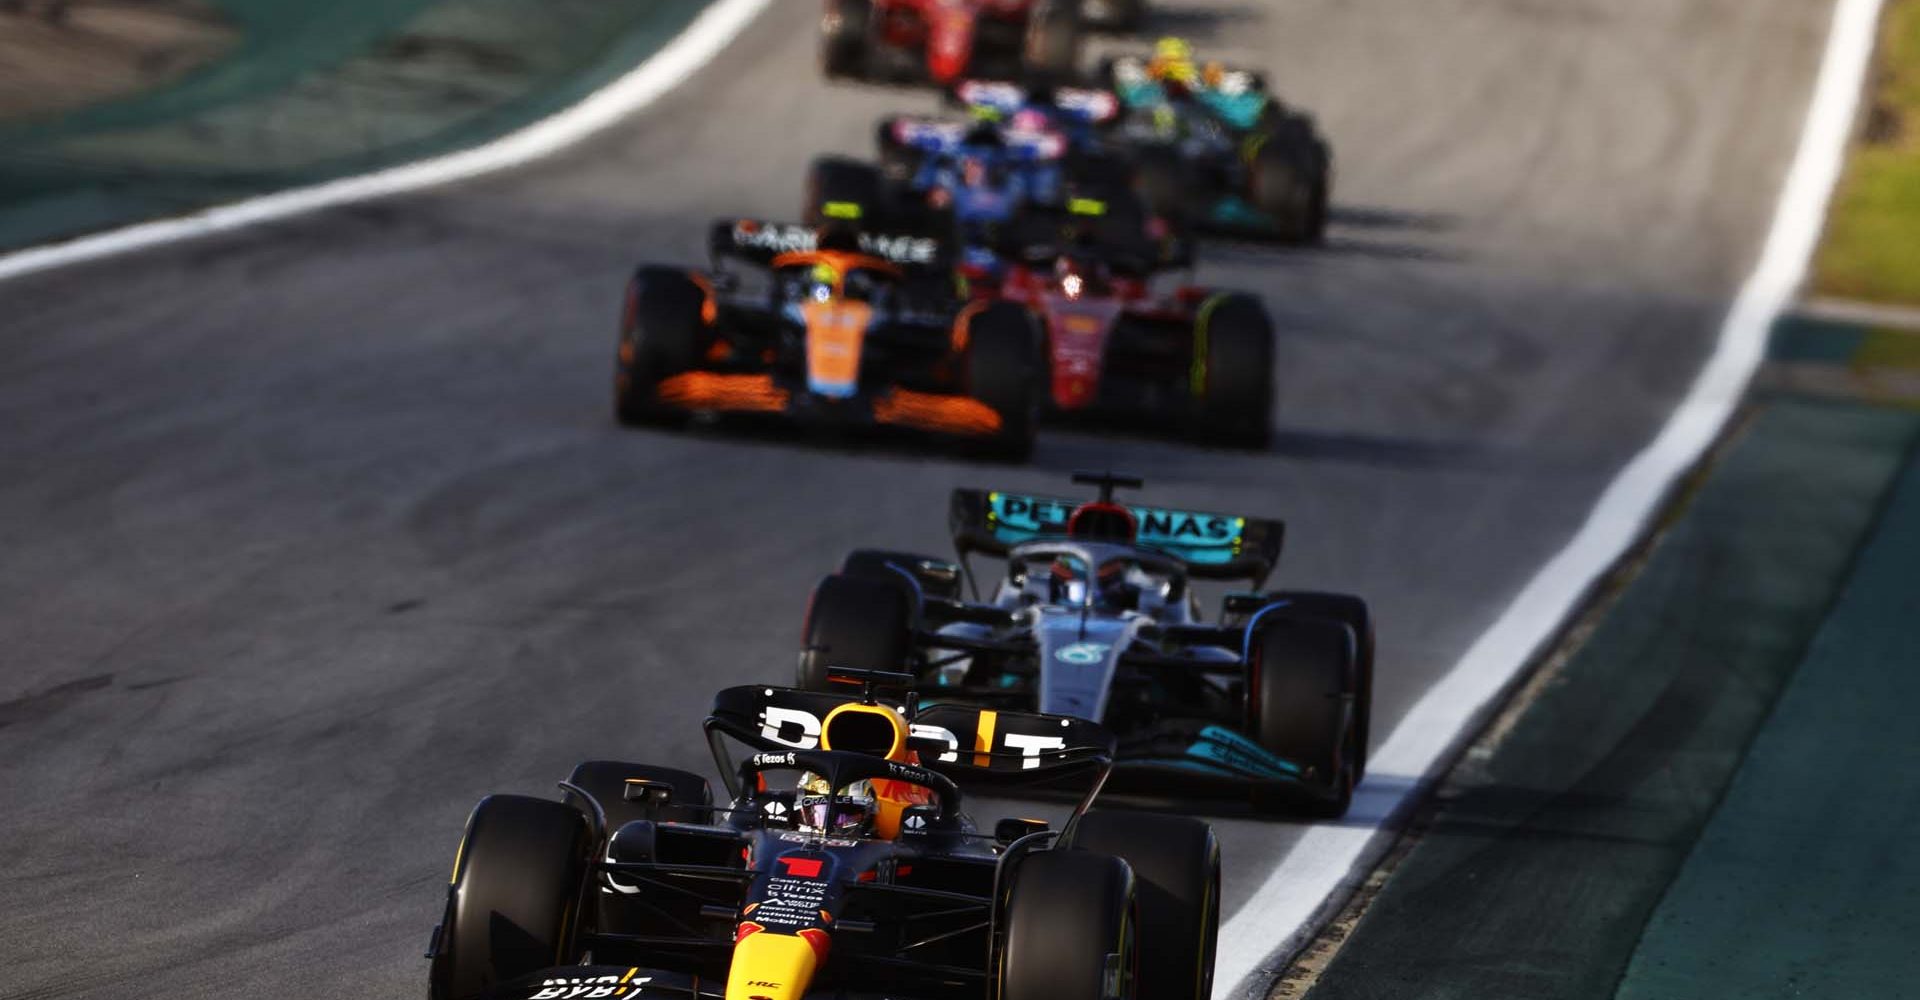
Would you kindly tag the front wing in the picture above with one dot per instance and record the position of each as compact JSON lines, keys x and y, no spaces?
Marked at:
{"x":759,"y":392}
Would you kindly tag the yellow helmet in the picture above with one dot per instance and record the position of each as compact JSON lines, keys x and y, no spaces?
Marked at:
{"x":1173,"y":60}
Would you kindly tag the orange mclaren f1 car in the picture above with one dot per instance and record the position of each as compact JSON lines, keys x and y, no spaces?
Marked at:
{"x":830,"y":326}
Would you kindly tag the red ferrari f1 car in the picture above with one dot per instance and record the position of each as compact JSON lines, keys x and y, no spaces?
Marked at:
{"x":945,"y":40}
{"x":1200,"y":357}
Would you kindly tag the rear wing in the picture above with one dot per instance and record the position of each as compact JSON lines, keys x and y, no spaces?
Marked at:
{"x":757,"y":242}
{"x":1213,"y":546}
{"x":941,"y":136}
{"x":969,"y":744}
{"x":1088,"y":105}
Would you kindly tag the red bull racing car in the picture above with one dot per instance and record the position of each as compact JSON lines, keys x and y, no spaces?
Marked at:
{"x":1096,"y":616}
{"x":847,"y":328}
{"x":842,"y":866}
{"x":946,"y":40}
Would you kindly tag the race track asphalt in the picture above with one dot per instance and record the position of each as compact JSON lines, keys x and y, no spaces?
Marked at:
{"x":312,"y":534}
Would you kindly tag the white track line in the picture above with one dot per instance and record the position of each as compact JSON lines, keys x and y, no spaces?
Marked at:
{"x":1327,"y":859}
{"x":646,"y":83}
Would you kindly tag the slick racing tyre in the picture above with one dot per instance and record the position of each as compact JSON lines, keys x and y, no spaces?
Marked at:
{"x":1288,"y":182}
{"x":516,"y":890}
{"x":1176,"y":880}
{"x":1352,"y":612}
{"x":854,"y":622}
{"x":1053,"y":41}
{"x":662,"y":333}
{"x":904,"y":570}
{"x":843,"y":38}
{"x":1002,"y":369}
{"x":843,"y":190}
{"x":1233,"y":348}
{"x":1069,"y":928}
{"x":1302,"y":676}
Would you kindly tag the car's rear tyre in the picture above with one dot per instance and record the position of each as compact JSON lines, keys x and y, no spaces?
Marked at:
{"x":854,"y":622}
{"x":843,"y":190}
{"x":516,"y":890}
{"x":1233,"y":338}
{"x":662,"y":333}
{"x":880,"y":564}
{"x":1176,"y":882}
{"x":1003,"y":371}
{"x":1302,"y":676}
{"x":1352,"y":612}
{"x":1069,"y":925}
{"x":843,"y":38}
{"x":1284,"y":187}
{"x":1053,"y":41}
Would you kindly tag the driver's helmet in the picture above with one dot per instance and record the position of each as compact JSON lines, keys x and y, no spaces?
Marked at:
{"x":1173,"y":62}
{"x":817,"y":813}
{"x":822,"y":282}
{"x":1066,"y":584}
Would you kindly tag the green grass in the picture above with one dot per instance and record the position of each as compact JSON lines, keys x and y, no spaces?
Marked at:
{"x":1872,"y":247}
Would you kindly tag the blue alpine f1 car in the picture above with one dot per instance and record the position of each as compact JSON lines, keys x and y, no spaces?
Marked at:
{"x":1095,"y":616}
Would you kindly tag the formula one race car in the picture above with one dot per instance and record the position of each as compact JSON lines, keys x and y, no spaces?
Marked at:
{"x":845,"y":328}
{"x":944,"y":40}
{"x":843,"y":867}
{"x":1096,"y":617}
{"x":1052,"y":132}
{"x":1197,"y":358}
{"x":1218,"y":151}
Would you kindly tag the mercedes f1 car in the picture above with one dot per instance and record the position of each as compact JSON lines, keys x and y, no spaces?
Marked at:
{"x":1096,"y":617}
{"x":847,"y":328}
{"x":1215,"y":149}
{"x":945,"y":40}
{"x":843,"y":866}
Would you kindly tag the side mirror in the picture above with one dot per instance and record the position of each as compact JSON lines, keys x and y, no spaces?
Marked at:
{"x":1012,"y":828}
{"x":651,"y":794}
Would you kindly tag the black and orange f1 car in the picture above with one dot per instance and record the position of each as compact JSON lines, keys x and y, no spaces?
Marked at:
{"x":831,"y":326}
{"x":842,"y":867}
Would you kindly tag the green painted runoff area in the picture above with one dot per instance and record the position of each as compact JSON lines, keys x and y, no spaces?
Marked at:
{"x":317,"y":91}
{"x":1547,"y":858}
{"x":1872,"y":245}
{"x":1806,"y":882}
